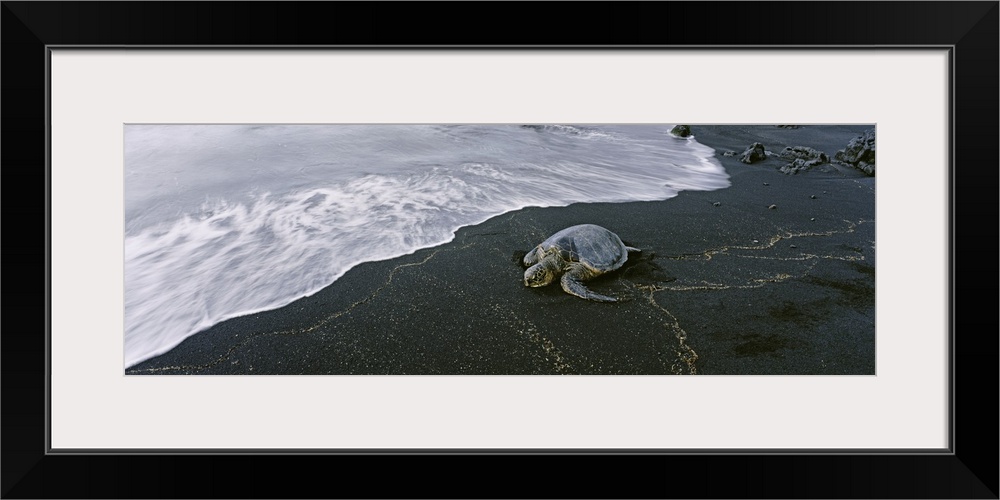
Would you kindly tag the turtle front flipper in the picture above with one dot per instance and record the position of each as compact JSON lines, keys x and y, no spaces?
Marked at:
{"x":572,"y":283}
{"x":531,"y":258}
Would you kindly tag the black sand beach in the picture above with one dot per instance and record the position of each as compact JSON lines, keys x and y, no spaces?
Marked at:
{"x":773,"y":275}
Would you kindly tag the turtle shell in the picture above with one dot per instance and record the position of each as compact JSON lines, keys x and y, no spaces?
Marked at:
{"x":589,"y":244}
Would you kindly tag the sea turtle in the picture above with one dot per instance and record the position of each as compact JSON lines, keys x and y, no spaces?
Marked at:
{"x":577,"y":253}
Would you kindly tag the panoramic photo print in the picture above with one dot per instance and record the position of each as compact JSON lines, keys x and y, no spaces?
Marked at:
{"x":499,"y":249}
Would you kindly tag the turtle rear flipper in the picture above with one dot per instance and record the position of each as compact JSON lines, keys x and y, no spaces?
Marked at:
{"x":633,"y":249}
{"x":572,"y":285}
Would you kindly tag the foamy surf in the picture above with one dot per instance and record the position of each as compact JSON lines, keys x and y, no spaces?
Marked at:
{"x":228,"y":220}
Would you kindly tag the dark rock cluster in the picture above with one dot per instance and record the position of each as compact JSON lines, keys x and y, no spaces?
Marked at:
{"x":803,"y":152}
{"x":803,"y":158}
{"x":754,"y":153}
{"x":860,"y":153}
{"x":681,"y":130}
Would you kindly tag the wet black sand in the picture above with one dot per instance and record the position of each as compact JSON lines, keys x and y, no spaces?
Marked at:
{"x":725,"y":285}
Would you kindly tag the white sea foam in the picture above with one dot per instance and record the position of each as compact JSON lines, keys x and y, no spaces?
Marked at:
{"x":227,"y":239}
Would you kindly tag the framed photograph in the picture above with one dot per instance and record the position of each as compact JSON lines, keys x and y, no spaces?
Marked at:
{"x":359,"y":249}
{"x":258,"y":243}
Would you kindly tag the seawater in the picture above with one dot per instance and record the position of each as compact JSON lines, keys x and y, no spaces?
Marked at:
{"x":228,"y":220}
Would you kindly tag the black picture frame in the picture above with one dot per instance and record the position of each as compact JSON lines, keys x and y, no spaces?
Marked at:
{"x":970,"y":470}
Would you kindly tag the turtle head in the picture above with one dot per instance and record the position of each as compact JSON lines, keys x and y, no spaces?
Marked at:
{"x":539,"y":275}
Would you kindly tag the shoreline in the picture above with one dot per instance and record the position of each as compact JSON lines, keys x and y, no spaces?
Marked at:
{"x":186,"y":274}
{"x":724,"y":285}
